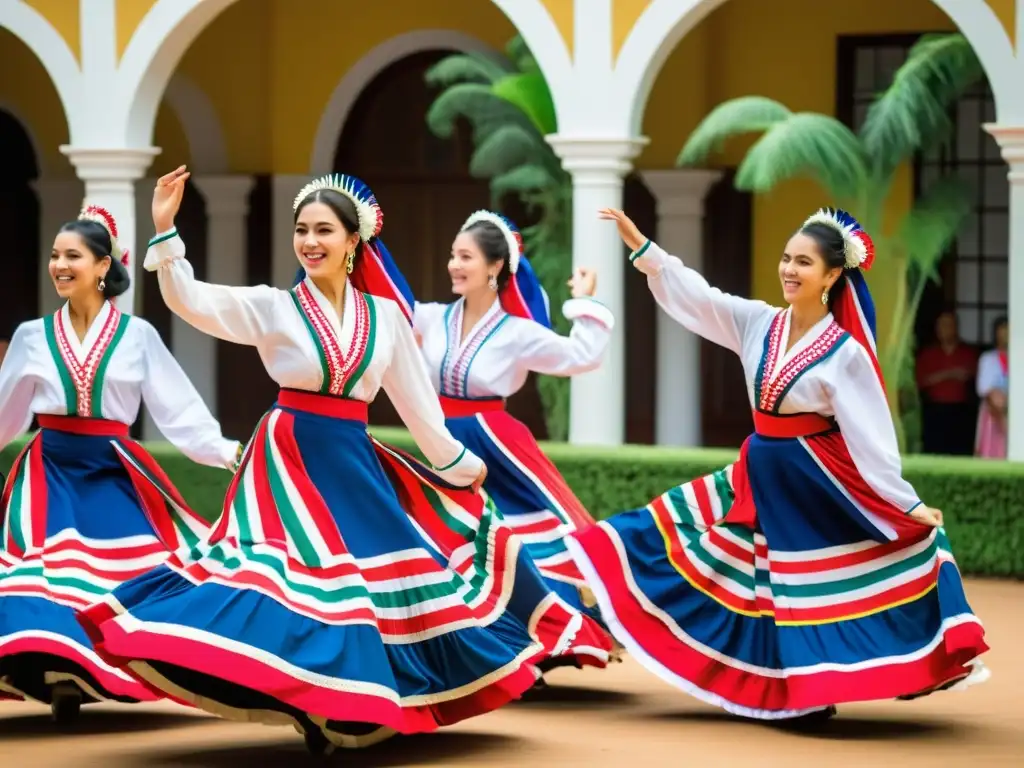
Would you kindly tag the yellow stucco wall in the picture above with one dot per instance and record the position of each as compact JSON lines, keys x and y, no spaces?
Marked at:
{"x":271,"y":91}
{"x":63,"y":16}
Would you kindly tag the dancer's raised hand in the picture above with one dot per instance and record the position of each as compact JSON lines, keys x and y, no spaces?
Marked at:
{"x":628,"y":231}
{"x":167,"y":198}
{"x":583,"y":282}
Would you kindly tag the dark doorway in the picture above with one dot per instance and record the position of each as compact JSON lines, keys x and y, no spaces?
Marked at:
{"x":19,"y":295}
{"x":424,"y":186}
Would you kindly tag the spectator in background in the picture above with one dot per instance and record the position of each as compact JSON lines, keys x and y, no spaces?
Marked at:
{"x":945,"y":371}
{"x":993,"y":389}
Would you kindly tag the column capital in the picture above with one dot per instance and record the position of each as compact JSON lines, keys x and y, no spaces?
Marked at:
{"x":1011,"y":141}
{"x":680,"y":191}
{"x":225,"y":194}
{"x":597,"y":155}
{"x":110,"y":164}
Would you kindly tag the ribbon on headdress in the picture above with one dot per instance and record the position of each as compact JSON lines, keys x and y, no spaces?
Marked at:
{"x":854,"y":309}
{"x":375,"y":271}
{"x":522,"y":295}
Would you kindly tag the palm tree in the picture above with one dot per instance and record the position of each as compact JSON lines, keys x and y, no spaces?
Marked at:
{"x":510,"y":110}
{"x":858,"y":170}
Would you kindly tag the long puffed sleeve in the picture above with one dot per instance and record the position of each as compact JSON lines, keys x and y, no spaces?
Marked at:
{"x":865,"y":421}
{"x":177,"y":408}
{"x":990,"y":374}
{"x":688,"y":299}
{"x":408,"y":386}
{"x":548,"y":352}
{"x":16,"y":390}
{"x":425,"y":314}
{"x":240,"y":314}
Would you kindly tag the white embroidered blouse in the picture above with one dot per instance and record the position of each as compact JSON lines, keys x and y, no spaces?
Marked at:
{"x":501,"y":350}
{"x":819,"y":374}
{"x":305,"y":346}
{"x":121,"y":363}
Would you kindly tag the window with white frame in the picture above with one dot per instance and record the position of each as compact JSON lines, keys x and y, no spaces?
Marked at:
{"x":974,"y":272}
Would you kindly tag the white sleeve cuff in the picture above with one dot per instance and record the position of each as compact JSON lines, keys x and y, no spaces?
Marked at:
{"x":462,"y":472}
{"x":164,"y":248}
{"x":650,"y":259}
{"x":590,"y":308}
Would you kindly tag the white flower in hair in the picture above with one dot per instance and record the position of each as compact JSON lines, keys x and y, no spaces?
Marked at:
{"x":858,"y":248}
{"x":105,"y":219}
{"x":371,"y":217}
{"x":513,"y":239}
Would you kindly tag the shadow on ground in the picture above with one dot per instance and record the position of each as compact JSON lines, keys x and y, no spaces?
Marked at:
{"x":96,"y":723}
{"x":570,"y":696}
{"x":398,"y":751}
{"x":839,"y":728}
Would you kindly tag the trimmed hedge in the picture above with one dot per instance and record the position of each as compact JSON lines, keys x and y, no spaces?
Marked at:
{"x":982,"y":501}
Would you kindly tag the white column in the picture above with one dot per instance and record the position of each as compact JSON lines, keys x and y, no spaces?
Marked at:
{"x":60,"y":201}
{"x":283,"y":264}
{"x":1011,"y":141}
{"x":144,"y":231}
{"x":598,"y":399}
{"x":680,"y":195}
{"x":227,"y":205}
{"x":110,"y":176}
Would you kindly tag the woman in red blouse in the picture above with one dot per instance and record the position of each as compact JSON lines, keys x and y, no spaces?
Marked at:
{"x":945,"y":371}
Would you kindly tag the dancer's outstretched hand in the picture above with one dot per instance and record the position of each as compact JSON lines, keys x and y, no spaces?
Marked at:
{"x":628,"y":231}
{"x":927,"y":515}
{"x":167,"y":198}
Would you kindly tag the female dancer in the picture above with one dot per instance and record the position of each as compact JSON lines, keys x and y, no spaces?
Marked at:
{"x":993,"y":383}
{"x":808,"y":573}
{"x":85,"y":507}
{"x":479,"y":351}
{"x":330,"y":593}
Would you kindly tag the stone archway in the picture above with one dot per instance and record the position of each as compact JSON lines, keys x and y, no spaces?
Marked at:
{"x":665,"y":22}
{"x":170,"y":27}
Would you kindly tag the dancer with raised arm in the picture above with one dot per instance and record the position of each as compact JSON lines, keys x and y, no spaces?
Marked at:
{"x":808,"y":573}
{"x":328,"y":595}
{"x":479,"y":351}
{"x":84,"y":506}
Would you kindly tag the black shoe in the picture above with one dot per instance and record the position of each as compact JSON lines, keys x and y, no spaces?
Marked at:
{"x":317,"y":743}
{"x":65,"y":703}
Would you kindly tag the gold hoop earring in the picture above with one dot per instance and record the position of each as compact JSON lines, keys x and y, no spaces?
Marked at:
{"x":492,"y":282}
{"x":824,"y":296}
{"x":350,"y":262}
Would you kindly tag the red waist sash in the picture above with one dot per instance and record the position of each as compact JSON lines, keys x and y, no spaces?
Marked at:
{"x":456,"y":407}
{"x":324,"y":405}
{"x":795,"y":425}
{"x":81,"y":425}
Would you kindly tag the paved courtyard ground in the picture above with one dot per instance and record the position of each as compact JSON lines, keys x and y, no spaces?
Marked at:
{"x":619,"y":717}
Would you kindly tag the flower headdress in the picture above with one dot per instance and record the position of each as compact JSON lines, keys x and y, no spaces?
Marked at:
{"x":104,"y":218}
{"x":371,"y":217}
{"x":858,"y":249}
{"x":853,"y":308}
{"x":375,"y":271}
{"x":513,"y":239}
{"x":523,"y":295}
